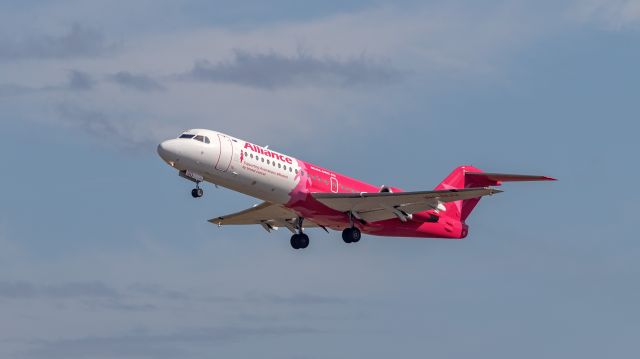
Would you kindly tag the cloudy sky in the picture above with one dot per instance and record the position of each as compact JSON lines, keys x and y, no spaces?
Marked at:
{"x":104,"y":254}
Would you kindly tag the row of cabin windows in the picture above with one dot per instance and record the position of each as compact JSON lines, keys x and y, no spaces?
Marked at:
{"x":270,"y":162}
{"x":342,"y":187}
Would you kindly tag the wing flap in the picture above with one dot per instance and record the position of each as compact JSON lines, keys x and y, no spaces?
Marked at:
{"x":380,"y":206}
{"x":266,"y":214}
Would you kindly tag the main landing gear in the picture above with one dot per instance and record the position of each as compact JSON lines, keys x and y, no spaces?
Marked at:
{"x":351,"y":235}
{"x":299,"y":240}
{"x":197,"y":192}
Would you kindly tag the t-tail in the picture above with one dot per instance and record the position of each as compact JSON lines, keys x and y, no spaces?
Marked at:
{"x":471,"y":177}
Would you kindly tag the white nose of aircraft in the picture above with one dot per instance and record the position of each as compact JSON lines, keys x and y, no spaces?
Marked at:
{"x":169,"y":151}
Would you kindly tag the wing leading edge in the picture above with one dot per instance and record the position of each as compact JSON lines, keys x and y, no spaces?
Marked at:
{"x":268,"y":215}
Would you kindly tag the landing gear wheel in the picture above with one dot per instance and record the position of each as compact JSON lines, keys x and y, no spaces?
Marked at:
{"x":294,"y":242}
{"x":303,"y":240}
{"x":197,"y":192}
{"x":351,"y":235}
{"x":355,"y":235}
{"x":346,"y":235}
{"x":299,"y":241}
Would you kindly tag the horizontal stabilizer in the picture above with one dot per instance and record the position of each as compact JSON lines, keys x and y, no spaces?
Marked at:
{"x":474,"y":179}
{"x":507,"y":177}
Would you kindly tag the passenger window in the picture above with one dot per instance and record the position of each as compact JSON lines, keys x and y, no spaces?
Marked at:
{"x":296,"y":171}
{"x":262,"y":159}
{"x":251,"y":155}
{"x":290,"y":169}
{"x":279,"y":165}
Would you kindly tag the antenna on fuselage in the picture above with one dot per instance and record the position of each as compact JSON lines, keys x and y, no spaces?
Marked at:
{"x":266,"y":147}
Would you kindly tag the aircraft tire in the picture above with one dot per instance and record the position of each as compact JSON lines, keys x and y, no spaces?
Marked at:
{"x":351,"y":235}
{"x":355,"y":235}
{"x":294,"y":242}
{"x":346,"y":235}
{"x":303,"y":240}
{"x":197,"y":192}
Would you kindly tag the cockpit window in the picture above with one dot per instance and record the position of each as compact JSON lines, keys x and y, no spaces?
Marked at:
{"x":206,"y":139}
{"x":199,"y":138}
{"x":186,"y":135}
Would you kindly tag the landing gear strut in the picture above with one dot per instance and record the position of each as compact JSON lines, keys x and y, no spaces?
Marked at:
{"x":197,"y":192}
{"x":299,"y":240}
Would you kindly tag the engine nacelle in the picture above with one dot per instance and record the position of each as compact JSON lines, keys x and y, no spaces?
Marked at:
{"x":387,"y":189}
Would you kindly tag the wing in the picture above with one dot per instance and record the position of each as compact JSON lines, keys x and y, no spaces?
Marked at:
{"x":268,"y":215}
{"x":372,"y":207}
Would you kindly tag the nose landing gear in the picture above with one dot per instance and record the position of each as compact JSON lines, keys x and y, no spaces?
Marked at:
{"x":197,"y":192}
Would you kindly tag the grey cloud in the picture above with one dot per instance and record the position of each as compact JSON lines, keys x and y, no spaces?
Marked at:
{"x":300,"y":299}
{"x":144,"y":345}
{"x":100,"y":124}
{"x":90,"y":295}
{"x":24,"y":290}
{"x":76,"y":81}
{"x":158,"y":291}
{"x":7,"y":90}
{"x":79,"y":80}
{"x":273,"y":70}
{"x":90,"y":121}
{"x":118,"y":305}
{"x":614,"y":15}
{"x":79,"y":41}
{"x":252,"y":297}
{"x":136,"y":81}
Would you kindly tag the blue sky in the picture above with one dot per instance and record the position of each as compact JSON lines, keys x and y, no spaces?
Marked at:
{"x":104,"y":254}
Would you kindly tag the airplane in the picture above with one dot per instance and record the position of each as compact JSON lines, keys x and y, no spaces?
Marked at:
{"x":298,"y":195}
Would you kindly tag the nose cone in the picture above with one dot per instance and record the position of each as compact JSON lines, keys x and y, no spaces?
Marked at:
{"x":168,"y":151}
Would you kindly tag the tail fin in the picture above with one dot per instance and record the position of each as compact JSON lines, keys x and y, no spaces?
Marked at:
{"x":469,"y":176}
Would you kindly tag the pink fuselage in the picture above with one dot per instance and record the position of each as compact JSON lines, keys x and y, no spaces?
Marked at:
{"x":305,"y":205}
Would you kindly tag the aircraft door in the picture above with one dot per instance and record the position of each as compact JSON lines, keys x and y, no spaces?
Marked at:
{"x":334,"y":185}
{"x":226,"y":153}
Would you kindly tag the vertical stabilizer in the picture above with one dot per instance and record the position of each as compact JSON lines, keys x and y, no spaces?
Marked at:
{"x":469,"y":176}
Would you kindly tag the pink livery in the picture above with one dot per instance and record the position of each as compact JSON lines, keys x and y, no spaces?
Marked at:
{"x":299,"y":195}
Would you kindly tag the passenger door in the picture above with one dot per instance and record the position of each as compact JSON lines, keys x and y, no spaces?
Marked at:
{"x":334,"y":185}
{"x":226,"y":153}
